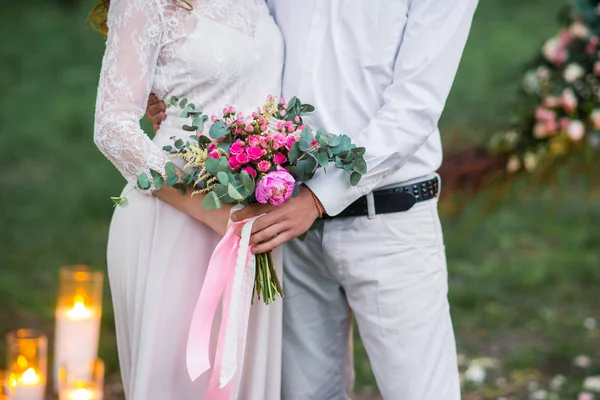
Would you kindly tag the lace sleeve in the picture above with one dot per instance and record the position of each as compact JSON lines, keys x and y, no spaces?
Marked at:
{"x":132,"y":49}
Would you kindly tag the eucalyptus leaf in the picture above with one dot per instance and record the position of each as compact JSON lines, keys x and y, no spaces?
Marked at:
{"x":334,"y":140}
{"x":355,"y":178}
{"x":322,"y":158}
{"x":158,"y":182}
{"x":183,"y":103}
{"x":211,"y":201}
{"x":306,"y":139}
{"x":168,"y":148}
{"x":247,"y":181}
{"x":224,"y":146}
{"x":360,"y":166}
{"x":293,"y":102}
{"x":172,"y":179}
{"x":359,"y":151}
{"x":178,"y":144}
{"x":222,"y":177}
{"x":170,"y":168}
{"x":188,"y":128}
{"x":296,"y":190}
{"x":212,"y":165}
{"x":233,"y":192}
{"x":182,"y":188}
{"x":218,"y":130}
{"x":143,"y":182}
{"x":294,"y":152}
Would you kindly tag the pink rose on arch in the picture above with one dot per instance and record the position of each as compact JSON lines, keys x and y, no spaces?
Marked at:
{"x":242,"y":159}
{"x":253,"y":140}
{"x":254,"y":153}
{"x":236,"y":148}
{"x":264,"y":166}
{"x":279,"y":159}
{"x":275,"y":188}
{"x":251,"y":171}
{"x":569,"y":100}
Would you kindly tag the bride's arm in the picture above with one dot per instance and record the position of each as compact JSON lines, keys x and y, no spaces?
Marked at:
{"x":132,"y":51}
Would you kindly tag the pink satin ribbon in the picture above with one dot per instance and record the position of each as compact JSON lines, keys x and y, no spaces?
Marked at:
{"x":217,"y":286}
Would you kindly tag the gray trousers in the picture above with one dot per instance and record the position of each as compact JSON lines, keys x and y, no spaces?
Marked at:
{"x":390,"y":272}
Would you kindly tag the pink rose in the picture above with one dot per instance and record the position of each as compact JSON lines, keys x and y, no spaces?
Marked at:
{"x":290,"y":141}
{"x":242,"y":159}
{"x":542,"y":114}
{"x":552,"y":101}
{"x":214,"y":154}
{"x":564,"y":123}
{"x":585,"y":396}
{"x":275,"y":188}
{"x":569,"y":100}
{"x":249,"y":128}
{"x":253,"y":140}
{"x":314,"y":143}
{"x":540,"y":131}
{"x":233,"y":163}
{"x":279,"y":141}
{"x":264,"y":166}
{"x":236,"y":148}
{"x":254,"y":153}
{"x":251,"y":171}
{"x":282,"y":112}
{"x":264,"y":141}
{"x":211,"y":147}
{"x":279,"y":158}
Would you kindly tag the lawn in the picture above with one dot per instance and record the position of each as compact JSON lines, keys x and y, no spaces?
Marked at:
{"x":523,"y":276}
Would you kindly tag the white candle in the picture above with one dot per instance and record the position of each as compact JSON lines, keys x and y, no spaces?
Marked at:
{"x":28,"y":386}
{"x":76,"y":342}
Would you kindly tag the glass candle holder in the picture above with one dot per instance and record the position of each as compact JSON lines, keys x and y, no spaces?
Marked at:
{"x":3,"y":385}
{"x":72,"y":388}
{"x":27,"y":352}
{"x":78,"y":314}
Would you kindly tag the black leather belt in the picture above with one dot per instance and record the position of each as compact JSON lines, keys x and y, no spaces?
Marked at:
{"x":392,"y":200}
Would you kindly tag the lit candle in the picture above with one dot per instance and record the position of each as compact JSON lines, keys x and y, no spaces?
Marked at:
{"x":81,"y":394}
{"x":77,"y":335}
{"x":28,"y":386}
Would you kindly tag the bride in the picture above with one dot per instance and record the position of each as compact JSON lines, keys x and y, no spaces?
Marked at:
{"x":216,"y":53}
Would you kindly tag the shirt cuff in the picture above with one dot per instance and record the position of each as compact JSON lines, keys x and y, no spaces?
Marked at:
{"x":333,"y":189}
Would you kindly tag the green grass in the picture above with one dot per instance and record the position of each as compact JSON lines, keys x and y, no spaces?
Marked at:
{"x":522,"y":277}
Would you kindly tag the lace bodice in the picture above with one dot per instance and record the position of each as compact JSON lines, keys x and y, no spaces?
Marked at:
{"x":221,"y":53}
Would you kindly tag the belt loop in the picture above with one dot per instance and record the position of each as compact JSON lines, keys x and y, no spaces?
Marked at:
{"x":370,"y":206}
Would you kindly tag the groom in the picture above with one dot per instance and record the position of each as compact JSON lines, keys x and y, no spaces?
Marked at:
{"x":379,"y":71}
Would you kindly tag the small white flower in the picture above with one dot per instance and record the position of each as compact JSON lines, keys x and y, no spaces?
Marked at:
{"x":592,"y":383}
{"x":485,"y":362}
{"x":579,"y":30}
{"x":530,"y":161}
{"x":543,"y":73}
{"x":501,"y":382}
{"x":551,"y":48}
{"x":590,"y":324}
{"x":533,"y":386}
{"x":531,"y":82}
{"x":557,"y":382}
{"x":576,"y":130}
{"x":539,"y":394}
{"x":582,"y":361}
{"x":513,"y":165}
{"x":475,"y":374}
{"x":573,"y":72}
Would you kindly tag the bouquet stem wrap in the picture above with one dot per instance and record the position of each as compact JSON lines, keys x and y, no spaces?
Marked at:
{"x":230,"y":279}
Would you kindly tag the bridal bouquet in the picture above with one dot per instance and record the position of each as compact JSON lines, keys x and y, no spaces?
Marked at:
{"x":262,"y":157}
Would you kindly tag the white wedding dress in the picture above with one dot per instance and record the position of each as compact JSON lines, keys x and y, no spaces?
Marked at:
{"x":221,"y":53}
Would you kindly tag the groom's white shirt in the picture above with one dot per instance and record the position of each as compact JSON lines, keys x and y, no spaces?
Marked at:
{"x":379,"y":71}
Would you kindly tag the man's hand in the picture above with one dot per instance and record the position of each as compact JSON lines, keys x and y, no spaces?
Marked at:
{"x":156,"y":111}
{"x":281,"y":223}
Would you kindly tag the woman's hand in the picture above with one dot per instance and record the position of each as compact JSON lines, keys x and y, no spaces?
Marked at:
{"x":217,"y":220}
{"x":156,"y":111}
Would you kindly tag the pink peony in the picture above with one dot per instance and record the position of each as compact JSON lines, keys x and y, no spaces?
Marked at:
{"x":279,"y":158}
{"x":242,"y":159}
{"x":254,"y":153}
{"x":253,"y":140}
{"x":275,"y":188}
{"x":251,"y":171}
{"x":214,"y":154}
{"x":264,"y":166}
{"x":236,"y":148}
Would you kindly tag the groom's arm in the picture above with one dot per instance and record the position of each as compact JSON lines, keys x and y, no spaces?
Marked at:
{"x":427,"y":61}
